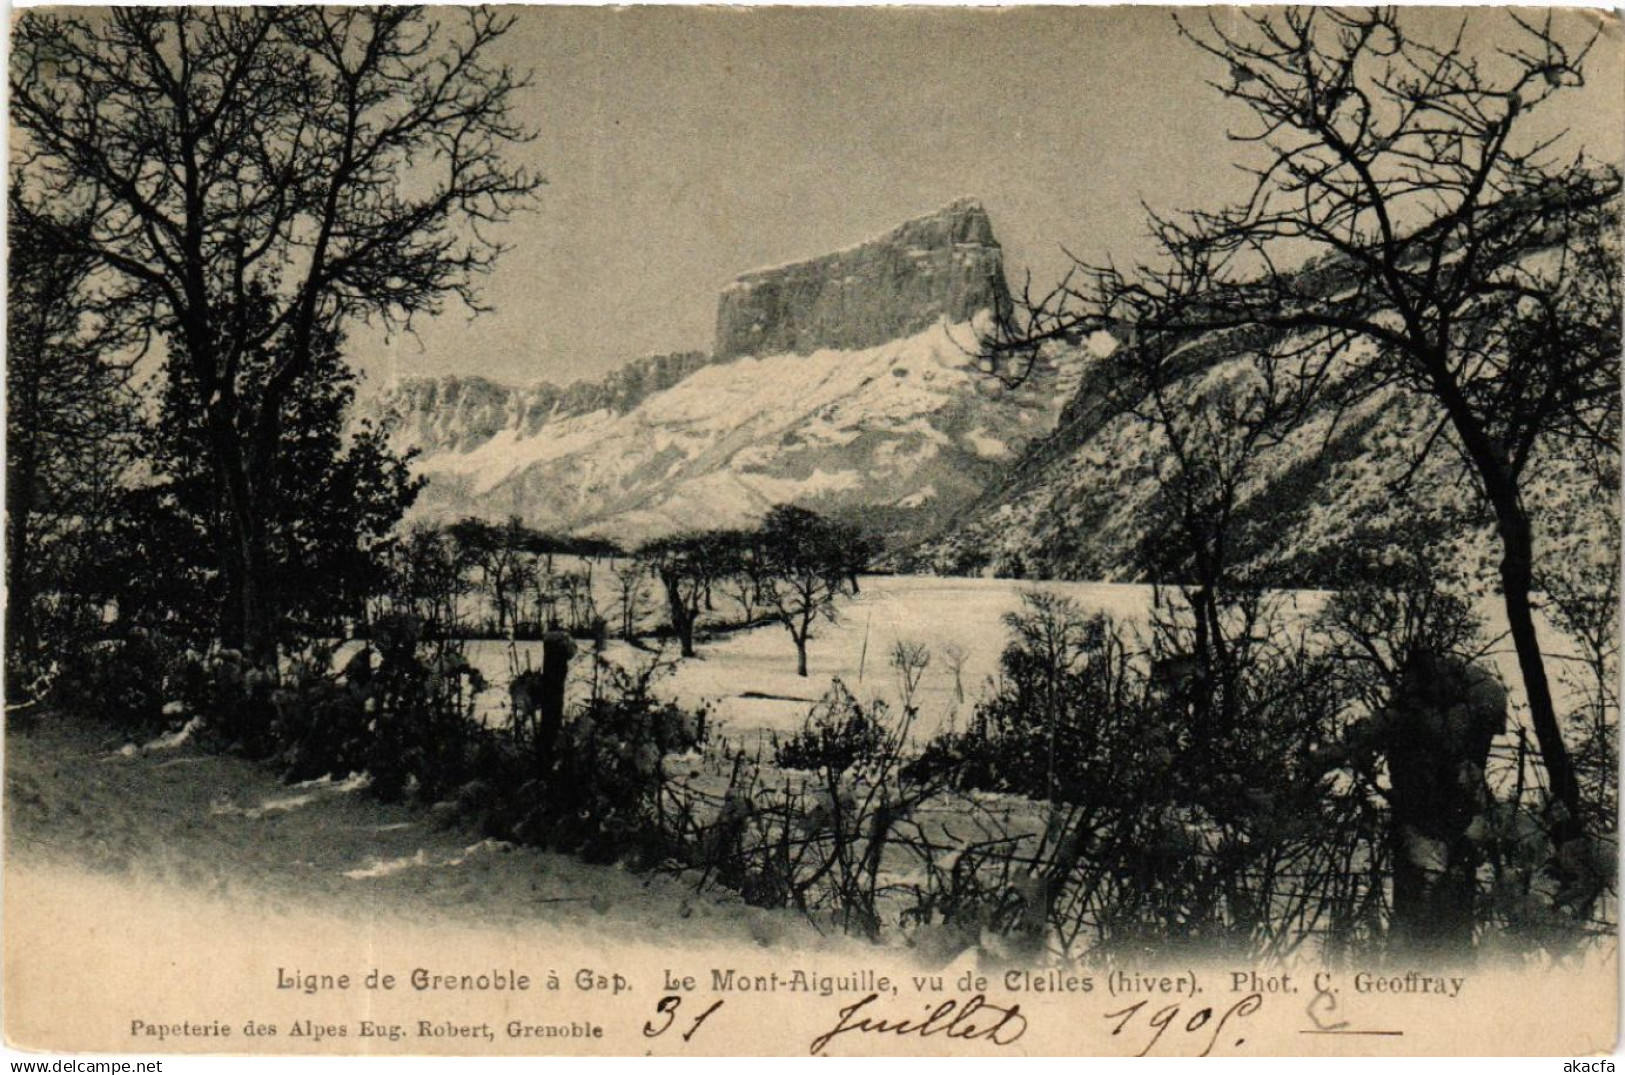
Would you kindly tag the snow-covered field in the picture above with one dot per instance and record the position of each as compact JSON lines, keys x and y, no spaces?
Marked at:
{"x":747,"y":679}
{"x":748,"y":682}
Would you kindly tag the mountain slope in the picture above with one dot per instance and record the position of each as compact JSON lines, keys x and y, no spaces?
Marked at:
{"x":909,"y":429}
{"x":845,"y":383}
{"x":1085,"y":501}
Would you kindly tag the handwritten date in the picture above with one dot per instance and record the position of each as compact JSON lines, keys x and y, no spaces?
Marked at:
{"x":1204,"y":1021}
{"x":966,"y":1020}
{"x":668,"y":1007}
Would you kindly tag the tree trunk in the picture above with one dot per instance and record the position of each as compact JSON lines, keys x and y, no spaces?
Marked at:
{"x":682,"y":624}
{"x":246,"y":620}
{"x":801,"y":657}
{"x":1500,"y":485}
{"x":1517,"y":572}
{"x":20,"y":645}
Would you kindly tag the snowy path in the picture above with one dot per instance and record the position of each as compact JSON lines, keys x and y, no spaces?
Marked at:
{"x":226,"y":830}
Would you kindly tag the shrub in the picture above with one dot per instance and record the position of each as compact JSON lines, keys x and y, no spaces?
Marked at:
{"x":837,"y":734}
{"x":1178,"y":781}
{"x":601,"y":798}
{"x":1067,"y":719}
{"x":322,"y":720}
{"x":133,"y":681}
{"x":420,"y":701}
{"x":401,"y":709}
{"x":818,"y":839}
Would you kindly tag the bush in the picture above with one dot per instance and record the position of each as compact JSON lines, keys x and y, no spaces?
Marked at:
{"x":139,"y":682}
{"x":602,"y":796}
{"x":1068,"y":718}
{"x":419,"y":700}
{"x":321,"y":724}
{"x":818,"y":839}
{"x":401,"y":710}
{"x":837,"y":734}
{"x":1176,"y":784}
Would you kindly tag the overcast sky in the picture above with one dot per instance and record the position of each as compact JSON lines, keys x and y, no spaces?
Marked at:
{"x":685,"y":146}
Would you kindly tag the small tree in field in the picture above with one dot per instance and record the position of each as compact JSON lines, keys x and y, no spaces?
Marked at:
{"x":630,"y":575}
{"x":506,"y":570}
{"x":428,"y":576}
{"x":809,"y":563}
{"x":742,"y":569}
{"x":684,"y":571}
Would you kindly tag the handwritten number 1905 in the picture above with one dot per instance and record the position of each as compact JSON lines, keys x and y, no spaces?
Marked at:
{"x":1160,"y":1020}
{"x":668,"y":1007}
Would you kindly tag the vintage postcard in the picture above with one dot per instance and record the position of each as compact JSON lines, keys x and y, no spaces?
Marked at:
{"x":812,"y":531}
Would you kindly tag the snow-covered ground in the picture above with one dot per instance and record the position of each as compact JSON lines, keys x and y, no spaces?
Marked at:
{"x":944,"y":615}
{"x":748,"y":681}
{"x":171,"y":816}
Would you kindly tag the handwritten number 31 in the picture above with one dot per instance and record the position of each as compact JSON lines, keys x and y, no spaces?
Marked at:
{"x":668,"y":1007}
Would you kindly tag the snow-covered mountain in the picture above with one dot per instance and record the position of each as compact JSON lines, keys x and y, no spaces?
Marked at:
{"x":1083,"y":502}
{"x":846,"y":383}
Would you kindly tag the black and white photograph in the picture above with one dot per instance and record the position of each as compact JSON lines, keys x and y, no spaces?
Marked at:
{"x":812,"y":530}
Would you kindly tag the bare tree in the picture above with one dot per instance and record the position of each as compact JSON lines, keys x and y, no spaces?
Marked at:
{"x":809,"y":560}
{"x":743,"y":570}
{"x":1401,"y":199}
{"x":428,"y":576}
{"x":630,"y":594}
{"x":254,"y":176}
{"x":506,"y":571}
{"x":70,"y":415}
{"x":684,"y":571}
{"x":1212,"y":430}
{"x":581,"y":607}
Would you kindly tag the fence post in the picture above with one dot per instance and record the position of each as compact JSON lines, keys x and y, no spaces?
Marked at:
{"x":557,"y":649}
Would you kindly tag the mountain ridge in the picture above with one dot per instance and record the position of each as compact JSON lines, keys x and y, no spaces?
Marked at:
{"x":1082,"y":501}
{"x":860,"y":394}
{"x":945,"y":265}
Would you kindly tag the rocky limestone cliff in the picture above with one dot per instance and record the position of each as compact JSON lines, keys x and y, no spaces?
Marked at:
{"x":846,"y":383}
{"x":457,"y":414}
{"x":946,"y":266}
